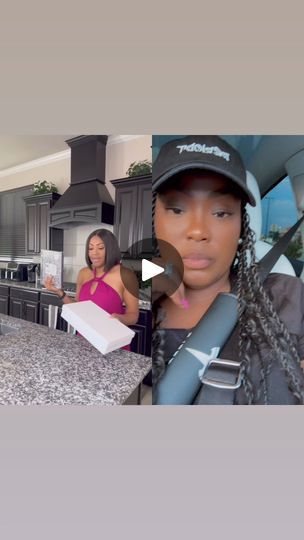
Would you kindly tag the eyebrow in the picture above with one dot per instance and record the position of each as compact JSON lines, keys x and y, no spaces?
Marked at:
{"x":214,"y":193}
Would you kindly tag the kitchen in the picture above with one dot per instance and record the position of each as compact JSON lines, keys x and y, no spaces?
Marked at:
{"x":39,"y":364}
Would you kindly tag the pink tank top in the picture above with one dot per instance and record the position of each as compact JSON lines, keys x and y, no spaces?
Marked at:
{"x":104,"y":296}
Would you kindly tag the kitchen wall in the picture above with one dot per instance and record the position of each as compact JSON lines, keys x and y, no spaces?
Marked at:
{"x":121,"y":152}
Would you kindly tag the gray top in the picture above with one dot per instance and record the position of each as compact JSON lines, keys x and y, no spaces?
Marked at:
{"x":43,"y":366}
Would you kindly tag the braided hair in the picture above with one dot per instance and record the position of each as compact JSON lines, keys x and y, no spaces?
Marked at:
{"x":259,"y":326}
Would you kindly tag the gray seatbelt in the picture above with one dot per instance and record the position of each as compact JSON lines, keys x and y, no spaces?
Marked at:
{"x":269,"y":260}
{"x":186,"y":371}
{"x":212,"y":395}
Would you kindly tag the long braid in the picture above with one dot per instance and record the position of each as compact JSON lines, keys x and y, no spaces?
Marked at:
{"x":158,"y":335}
{"x":260,"y":322}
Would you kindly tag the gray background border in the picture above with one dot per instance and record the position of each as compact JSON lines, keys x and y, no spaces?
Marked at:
{"x":151,"y":472}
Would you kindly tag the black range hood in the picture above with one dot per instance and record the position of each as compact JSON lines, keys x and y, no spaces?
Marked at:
{"x":87,"y":199}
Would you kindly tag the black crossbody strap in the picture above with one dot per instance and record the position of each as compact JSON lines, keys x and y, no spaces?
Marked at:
{"x":210,"y":395}
{"x":269,"y":260}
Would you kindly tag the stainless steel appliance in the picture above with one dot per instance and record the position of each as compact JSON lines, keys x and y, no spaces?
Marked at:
{"x":16,"y":271}
{"x":32,"y":270}
{"x":3,"y":270}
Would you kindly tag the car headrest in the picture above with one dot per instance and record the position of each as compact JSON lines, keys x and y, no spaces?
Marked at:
{"x":282,"y":266}
{"x":254,"y":212}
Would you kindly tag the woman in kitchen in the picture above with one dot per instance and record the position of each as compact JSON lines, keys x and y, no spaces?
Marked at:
{"x":101,"y":280}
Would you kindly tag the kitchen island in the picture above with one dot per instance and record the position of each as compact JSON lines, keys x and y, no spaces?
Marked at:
{"x":41,"y":366}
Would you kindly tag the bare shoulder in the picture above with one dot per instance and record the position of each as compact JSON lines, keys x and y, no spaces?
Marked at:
{"x":128,"y":278}
{"x":115,"y":270}
{"x":84,"y":274}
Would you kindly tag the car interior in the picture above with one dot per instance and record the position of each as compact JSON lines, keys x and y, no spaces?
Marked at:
{"x":275,"y":174}
{"x":274,"y":161}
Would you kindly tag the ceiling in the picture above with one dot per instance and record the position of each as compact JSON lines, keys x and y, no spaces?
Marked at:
{"x":263,"y":155}
{"x":18,"y":149}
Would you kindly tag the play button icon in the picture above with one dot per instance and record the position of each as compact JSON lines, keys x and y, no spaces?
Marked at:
{"x":150,"y":270}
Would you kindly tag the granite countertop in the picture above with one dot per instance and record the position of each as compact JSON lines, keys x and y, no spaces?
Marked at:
{"x":22,"y":285}
{"x":143,"y":298}
{"x":43,"y":366}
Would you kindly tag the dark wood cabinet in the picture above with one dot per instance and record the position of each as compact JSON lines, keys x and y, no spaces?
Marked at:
{"x":141,"y":343}
{"x":16,"y":308}
{"x":133,"y":212}
{"x":38,"y":234}
{"x":47,"y":299}
{"x":4,"y":299}
{"x":31,"y":311}
{"x":132,"y":224}
{"x":24,"y":304}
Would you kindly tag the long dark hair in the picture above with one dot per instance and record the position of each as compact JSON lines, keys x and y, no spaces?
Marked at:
{"x":259,"y":324}
{"x":113,"y":255}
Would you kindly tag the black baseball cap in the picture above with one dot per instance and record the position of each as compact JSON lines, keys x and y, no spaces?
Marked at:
{"x":207,"y":152}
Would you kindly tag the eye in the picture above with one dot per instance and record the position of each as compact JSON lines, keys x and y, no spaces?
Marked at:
{"x":175,"y":209}
{"x":221,"y":214}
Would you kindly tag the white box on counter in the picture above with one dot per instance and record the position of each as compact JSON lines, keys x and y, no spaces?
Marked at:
{"x":97,"y":326}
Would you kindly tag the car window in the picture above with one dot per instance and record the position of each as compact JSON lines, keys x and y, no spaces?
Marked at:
{"x":279,"y":213}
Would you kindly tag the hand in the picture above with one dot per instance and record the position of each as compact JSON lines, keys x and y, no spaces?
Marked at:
{"x":165,"y":282}
{"x":49,"y":285}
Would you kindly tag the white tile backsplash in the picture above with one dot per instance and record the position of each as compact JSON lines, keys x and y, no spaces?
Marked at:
{"x":74,"y":242}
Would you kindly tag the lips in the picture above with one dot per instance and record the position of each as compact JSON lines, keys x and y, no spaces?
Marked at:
{"x":196,"y":261}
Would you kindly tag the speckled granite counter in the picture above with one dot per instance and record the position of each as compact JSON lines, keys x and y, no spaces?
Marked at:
{"x":42,"y":366}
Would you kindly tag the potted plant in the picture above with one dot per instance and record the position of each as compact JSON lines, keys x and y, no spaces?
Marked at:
{"x":139,"y":168}
{"x":43,"y":186}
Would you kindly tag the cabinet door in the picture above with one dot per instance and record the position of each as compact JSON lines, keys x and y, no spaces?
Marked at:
{"x":43,"y":226}
{"x":31,"y":228}
{"x":44,"y":314}
{"x":4,"y":305}
{"x":125,"y":217}
{"x":145,"y":319}
{"x":144,"y":214}
{"x":16,"y":308}
{"x":30,"y":311}
{"x":61,"y":324}
{"x":47,"y":299}
{"x":38,"y":233}
{"x":141,"y":342}
{"x":137,"y":343}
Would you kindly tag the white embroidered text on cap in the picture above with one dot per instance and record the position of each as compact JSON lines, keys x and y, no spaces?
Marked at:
{"x":202,"y":148}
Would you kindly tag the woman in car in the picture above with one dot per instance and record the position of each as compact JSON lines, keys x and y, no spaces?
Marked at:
{"x":199,"y":197}
{"x":101,"y":282}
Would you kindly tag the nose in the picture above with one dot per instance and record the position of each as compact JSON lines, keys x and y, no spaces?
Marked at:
{"x":199,"y":228}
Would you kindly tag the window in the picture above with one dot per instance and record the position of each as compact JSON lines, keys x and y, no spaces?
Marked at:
{"x":12,"y":223}
{"x":279,"y":213}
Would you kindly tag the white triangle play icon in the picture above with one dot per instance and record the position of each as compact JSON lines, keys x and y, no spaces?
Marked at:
{"x":149,"y":269}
